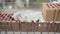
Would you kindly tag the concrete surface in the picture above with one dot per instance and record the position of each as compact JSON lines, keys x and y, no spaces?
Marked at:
{"x":29,"y":32}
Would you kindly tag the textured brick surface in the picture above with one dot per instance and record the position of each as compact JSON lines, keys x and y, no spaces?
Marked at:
{"x":6,"y":17}
{"x":14,"y":25}
{"x":51,"y":11}
{"x":8,"y":23}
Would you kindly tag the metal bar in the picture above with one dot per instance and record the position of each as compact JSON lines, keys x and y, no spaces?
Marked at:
{"x":32,"y":25}
{"x":6,"y":32}
{"x":59,"y":27}
{"x":38,"y":25}
{"x":20,"y":28}
{"x":54,"y":28}
{"x":54,"y":32}
{"x":48,"y":27}
{"x":7,"y":28}
{"x":0,"y":31}
{"x":14,"y":28}
{"x":27,"y":27}
{"x":0,"y":28}
{"x":40,"y":28}
{"x":33,"y":28}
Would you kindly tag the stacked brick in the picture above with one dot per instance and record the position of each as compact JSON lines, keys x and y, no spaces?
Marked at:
{"x":8,"y":23}
{"x":5,"y":17}
{"x":51,"y":12}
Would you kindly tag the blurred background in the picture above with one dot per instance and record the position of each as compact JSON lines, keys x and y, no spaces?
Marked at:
{"x":23,"y":4}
